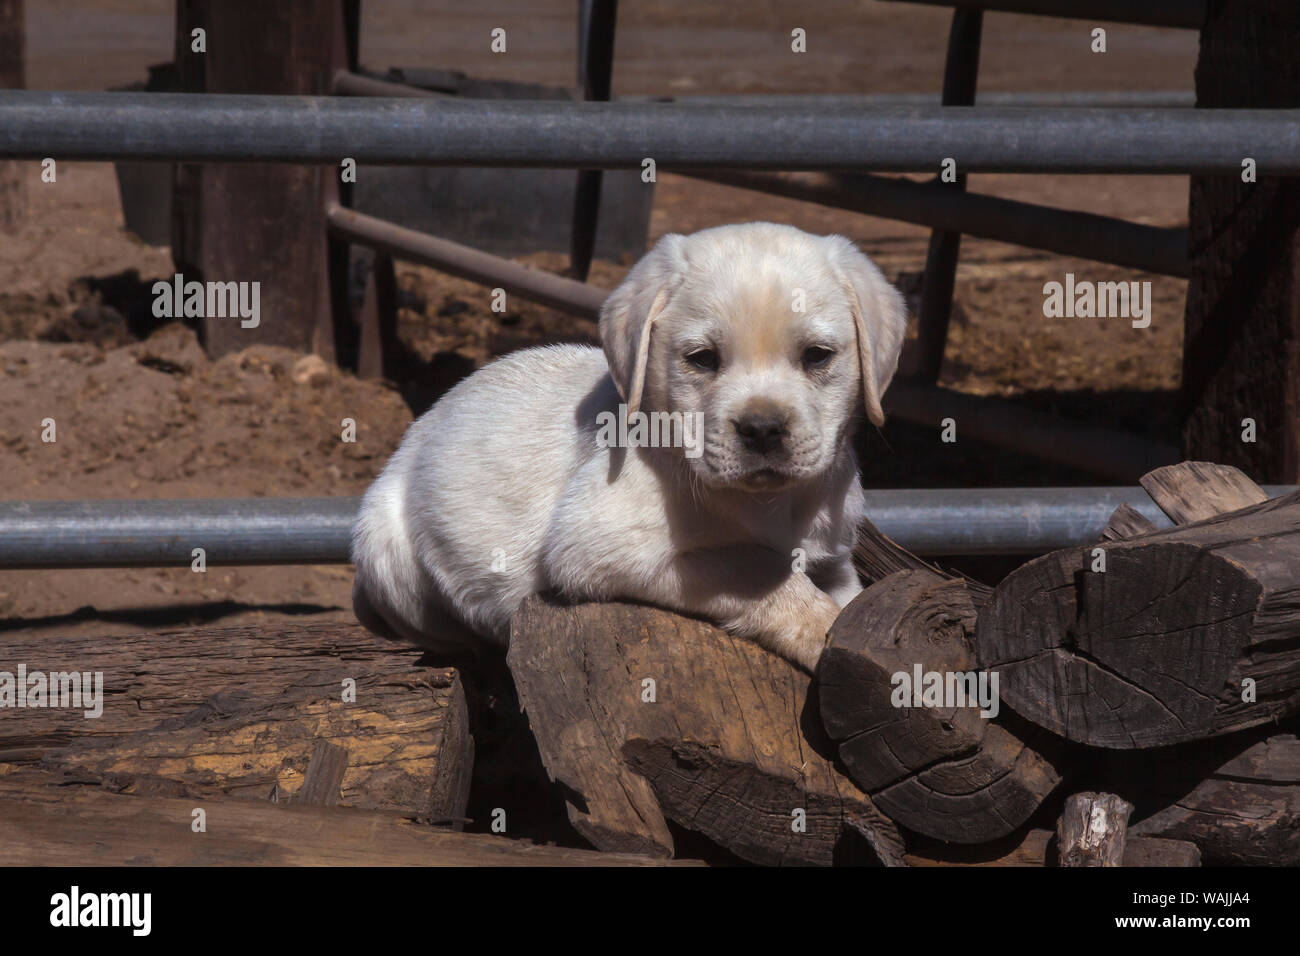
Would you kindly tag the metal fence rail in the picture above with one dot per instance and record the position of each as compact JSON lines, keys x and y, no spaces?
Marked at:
{"x":164,"y":533}
{"x":252,"y":531}
{"x":535,"y":285}
{"x":1064,"y":231}
{"x":112,"y":126}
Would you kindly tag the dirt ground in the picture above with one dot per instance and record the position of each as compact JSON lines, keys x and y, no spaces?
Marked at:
{"x":154,"y":418}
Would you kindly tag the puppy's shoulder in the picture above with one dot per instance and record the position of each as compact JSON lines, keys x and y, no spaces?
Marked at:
{"x":555,"y":358}
{"x":546,"y":377}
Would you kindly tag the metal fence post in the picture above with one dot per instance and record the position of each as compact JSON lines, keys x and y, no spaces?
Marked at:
{"x":959,"y":78}
{"x":595,"y":69}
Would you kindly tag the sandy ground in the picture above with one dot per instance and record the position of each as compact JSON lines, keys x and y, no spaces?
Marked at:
{"x":153,"y":418}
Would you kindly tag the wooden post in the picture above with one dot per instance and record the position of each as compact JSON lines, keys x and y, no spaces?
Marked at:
{"x":1241,"y":352}
{"x":260,"y":222}
{"x":13,"y":187}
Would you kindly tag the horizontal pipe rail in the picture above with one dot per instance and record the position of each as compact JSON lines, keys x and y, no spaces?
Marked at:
{"x":129,"y":534}
{"x":535,"y":285}
{"x":1154,"y":249}
{"x":264,"y":531}
{"x":557,"y":134}
{"x":1084,"y":235}
{"x":1189,"y":14}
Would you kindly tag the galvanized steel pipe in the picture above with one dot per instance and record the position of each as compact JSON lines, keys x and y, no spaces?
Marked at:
{"x":557,"y":134}
{"x":535,"y":285}
{"x":250,"y":531}
{"x":127,"y":534}
{"x":1067,"y":232}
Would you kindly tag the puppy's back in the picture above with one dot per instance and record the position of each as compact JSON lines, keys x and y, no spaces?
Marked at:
{"x":455,"y":523}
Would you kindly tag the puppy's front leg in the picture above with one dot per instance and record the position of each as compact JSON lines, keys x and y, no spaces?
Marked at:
{"x":753,"y":593}
{"x":792,"y":621}
{"x":838,"y":579}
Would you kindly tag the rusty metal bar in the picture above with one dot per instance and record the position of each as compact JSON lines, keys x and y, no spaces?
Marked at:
{"x":566,"y":295}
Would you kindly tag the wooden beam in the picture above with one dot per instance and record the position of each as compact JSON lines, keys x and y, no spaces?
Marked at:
{"x":40,"y":827}
{"x":239,"y":712}
{"x":1038,"y":848}
{"x":378,"y":319}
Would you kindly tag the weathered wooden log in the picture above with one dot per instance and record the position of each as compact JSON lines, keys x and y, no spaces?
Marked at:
{"x":241,"y":711}
{"x":1238,"y":799}
{"x":1172,"y":636}
{"x":42,"y":824}
{"x":1158,"y":851}
{"x":876,"y":556}
{"x":1093,"y":830}
{"x":908,"y":620}
{"x":642,"y":715}
{"x":1192,"y":491}
{"x":939,"y":766}
{"x":1245,"y":812}
{"x":1038,"y":848}
{"x":1127,"y":522}
{"x":322,"y":784}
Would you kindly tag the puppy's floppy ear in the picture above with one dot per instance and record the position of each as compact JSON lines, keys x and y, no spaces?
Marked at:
{"x":627,"y":316}
{"x":879,"y":316}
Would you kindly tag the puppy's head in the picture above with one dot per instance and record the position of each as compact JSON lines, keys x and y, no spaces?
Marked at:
{"x":776,"y":337}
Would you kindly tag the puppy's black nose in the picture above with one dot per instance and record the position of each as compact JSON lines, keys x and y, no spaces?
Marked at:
{"x":760,"y":433}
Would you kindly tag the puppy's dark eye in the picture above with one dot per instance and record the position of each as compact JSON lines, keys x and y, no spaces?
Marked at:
{"x":704,"y":359}
{"x":816,"y":357}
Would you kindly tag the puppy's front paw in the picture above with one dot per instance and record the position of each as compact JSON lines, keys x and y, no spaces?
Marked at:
{"x":810,"y":638}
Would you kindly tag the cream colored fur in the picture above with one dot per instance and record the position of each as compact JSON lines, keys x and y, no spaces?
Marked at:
{"x":502,"y":490}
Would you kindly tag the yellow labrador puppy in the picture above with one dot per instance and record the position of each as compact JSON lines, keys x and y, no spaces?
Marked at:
{"x":702,"y":462}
